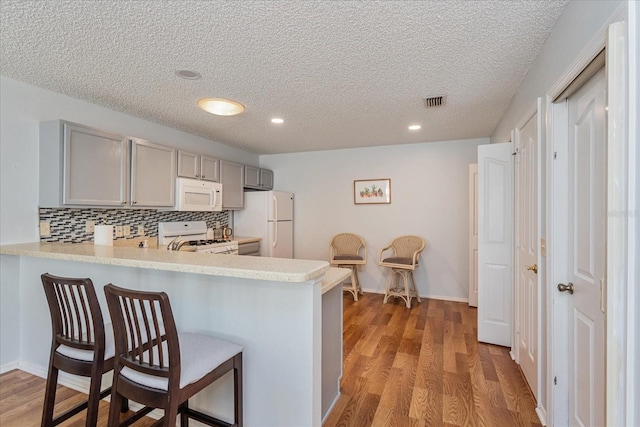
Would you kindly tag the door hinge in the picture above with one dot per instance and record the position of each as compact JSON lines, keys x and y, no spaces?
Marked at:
{"x":555,"y":155}
{"x":555,"y":380}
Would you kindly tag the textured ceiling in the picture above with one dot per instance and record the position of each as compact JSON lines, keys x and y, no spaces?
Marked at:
{"x":341,"y":74}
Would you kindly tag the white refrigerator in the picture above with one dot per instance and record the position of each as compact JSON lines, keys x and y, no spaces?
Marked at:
{"x":268,"y":215}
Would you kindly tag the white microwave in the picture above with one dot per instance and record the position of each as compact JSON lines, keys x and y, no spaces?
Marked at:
{"x":196,"y":195}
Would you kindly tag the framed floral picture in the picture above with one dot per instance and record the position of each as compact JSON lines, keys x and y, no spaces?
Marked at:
{"x":371,"y":191}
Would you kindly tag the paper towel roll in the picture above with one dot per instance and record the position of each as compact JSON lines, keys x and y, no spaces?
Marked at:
{"x":103,"y":235}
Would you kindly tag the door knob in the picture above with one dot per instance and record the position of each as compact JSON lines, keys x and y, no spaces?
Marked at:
{"x":568,"y":288}
{"x":533,"y":268}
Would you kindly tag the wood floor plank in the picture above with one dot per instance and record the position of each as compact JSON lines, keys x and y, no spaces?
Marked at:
{"x":23,"y":397}
{"x":426,"y":368}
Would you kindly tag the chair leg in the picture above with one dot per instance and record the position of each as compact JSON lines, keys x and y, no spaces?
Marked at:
{"x":94,"y":396}
{"x":49,"y":396}
{"x":407,"y":293}
{"x":115,"y":406}
{"x":389,"y":282}
{"x":415,"y":289}
{"x":184,"y":418}
{"x":354,"y":282}
{"x":170,"y":414}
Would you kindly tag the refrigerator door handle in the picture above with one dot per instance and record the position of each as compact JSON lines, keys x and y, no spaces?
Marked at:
{"x":275,"y":207}
{"x":275,"y":234}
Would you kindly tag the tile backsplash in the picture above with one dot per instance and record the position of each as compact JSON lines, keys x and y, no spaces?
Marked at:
{"x":69,"y":224}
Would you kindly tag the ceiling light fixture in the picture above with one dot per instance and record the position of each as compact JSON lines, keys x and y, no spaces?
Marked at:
{"x":188,"y":74}
{"x":277,"y":121}
{"x":221,"y":106}
{"x":415,"y":127}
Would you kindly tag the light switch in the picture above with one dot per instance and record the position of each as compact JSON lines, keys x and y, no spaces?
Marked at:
{"x":141,"y":230}
{"x":126,"y":230}
{"x":118,"y":231}
{"x":89,"y":227}
{"x":543,"y":246}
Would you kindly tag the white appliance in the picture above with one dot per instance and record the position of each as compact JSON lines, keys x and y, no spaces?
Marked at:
{"x":196,"y":195}
{"x":192,"y":236}
{"x":268,"y":215}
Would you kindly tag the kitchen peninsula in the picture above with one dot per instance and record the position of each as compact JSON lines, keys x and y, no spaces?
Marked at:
{"x":286,"y":313}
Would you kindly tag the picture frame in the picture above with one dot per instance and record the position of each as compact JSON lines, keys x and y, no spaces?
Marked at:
{"x":372,"y":191}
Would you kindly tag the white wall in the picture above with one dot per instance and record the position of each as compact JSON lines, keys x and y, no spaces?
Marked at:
{"x":429,"y":197}
{"x":22,"y":108}
{"x":578,"y":24}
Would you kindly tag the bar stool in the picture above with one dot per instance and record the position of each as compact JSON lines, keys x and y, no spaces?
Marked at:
{"x":349,"y":250}
{"x":406,"y":252}
{"x":170,"y":367}
{"x":81,"y":344}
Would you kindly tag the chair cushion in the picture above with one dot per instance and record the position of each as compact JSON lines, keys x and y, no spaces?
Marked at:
{"x":87,"y":355}
{"x":398,"y":260}
{"x":347,"y":258}
{"x":199,"y":355}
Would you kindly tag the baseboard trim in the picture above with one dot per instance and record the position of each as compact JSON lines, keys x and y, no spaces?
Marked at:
{"x":9,"y":367}
{"x":542,"y":415}
{"x":330,"y":409}
{"x":438,"y":297}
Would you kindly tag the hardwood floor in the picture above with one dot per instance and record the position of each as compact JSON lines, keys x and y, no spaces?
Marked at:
{"x":22,"y":396}
{"x":424,"y":367}
{"x":420,"y":367}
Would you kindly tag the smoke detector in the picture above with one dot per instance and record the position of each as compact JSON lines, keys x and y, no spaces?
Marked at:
{"x":434,"y":101}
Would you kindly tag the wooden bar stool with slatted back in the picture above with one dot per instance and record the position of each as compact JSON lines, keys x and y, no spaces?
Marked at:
{"x":81,"y":344}
{"x":172,"y":367}
{"x":349,"y":250}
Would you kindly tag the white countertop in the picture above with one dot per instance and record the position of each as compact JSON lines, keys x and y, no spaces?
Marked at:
{"x":259,"y":268}
{"x":334,"y":277}
{"x":244,"y":239}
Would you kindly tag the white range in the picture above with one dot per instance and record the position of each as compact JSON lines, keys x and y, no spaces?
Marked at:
{"x":192,"y":235}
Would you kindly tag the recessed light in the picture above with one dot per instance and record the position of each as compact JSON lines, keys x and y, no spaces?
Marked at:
{"x":277,"y":121}
{"x":415,"y":127}
{"x":221,"y":106}
{"x":188,"y":74}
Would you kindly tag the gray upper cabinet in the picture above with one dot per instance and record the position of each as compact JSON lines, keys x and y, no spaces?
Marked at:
{"x":266,"y":179}
{"x":197,"y":166}
{"x":210,"y":168}
{"x":81,"y":166}
{"x":153,"y":176}
{"x":232,"y":179}
{"x":251,"y":176}
{"x":258,"y":178}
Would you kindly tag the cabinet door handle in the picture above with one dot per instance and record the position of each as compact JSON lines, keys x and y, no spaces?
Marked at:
{"x":123,"y":203}
{"x":203,"y":177}
{"x":135,"y":201}
{"x":197,"y":176}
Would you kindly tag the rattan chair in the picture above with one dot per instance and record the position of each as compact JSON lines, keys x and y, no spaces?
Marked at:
{"x":172,"y":366}
{"x":406,"y":252}
{"x":81,"y":344}
{"x":349,"y":250}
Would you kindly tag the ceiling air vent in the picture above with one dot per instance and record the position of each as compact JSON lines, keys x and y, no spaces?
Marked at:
{"x":434,"y":101}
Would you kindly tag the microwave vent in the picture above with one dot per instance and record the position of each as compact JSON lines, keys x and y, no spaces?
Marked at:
{"x":434,"y":101}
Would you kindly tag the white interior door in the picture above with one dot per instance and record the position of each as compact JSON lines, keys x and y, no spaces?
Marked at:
{"x":473,"y":235}
{"x":586,"y":253}
{"x":495,"y":243}
{"x":526,"y":242}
